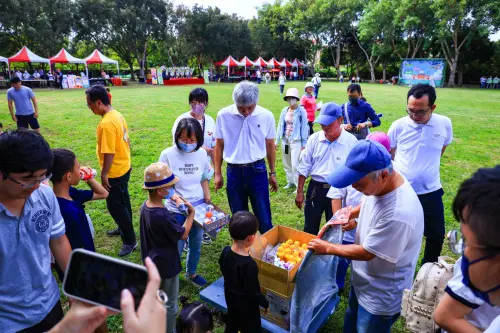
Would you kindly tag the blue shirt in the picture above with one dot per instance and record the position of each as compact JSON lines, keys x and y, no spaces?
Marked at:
{"x":360,"y":113}
{"x":22,"y":100}
{"x":28,"y":290}
{"x":300,"y":130}
{"x":75,"y":219}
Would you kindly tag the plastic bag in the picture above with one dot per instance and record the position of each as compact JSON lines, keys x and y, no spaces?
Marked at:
{"x":315,"y":284}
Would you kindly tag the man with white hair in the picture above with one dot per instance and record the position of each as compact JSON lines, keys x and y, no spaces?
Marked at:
{"x":388,"y":238}
{"x":245,"y":134}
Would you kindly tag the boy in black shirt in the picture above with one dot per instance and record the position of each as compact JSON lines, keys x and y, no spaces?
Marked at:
{"x":241,"y":282}
{"x":160,"y":233}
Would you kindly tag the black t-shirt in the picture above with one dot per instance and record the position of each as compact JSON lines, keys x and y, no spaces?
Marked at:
{"x":160,"y":233}
{"x":241,"y":281}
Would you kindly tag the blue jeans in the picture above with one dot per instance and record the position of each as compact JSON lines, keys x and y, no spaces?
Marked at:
{"x":249,"y":181}
{"x":194,"y":245}
{"x":342,"y":267}
{"x":282,"y":88}
{"x":316,"y":91}
{"x":358,"y":320}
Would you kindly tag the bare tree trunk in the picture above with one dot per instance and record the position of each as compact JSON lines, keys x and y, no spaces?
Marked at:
{"x":384,"y":70}
{"x":132,"y":74}
{"x":453,"y":70}
{"x":460,"y":72}
{"x":372,"y":71}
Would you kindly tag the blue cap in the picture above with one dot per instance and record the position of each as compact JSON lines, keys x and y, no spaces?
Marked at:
{"x":365,"y":157}
{"x":329,"y":113}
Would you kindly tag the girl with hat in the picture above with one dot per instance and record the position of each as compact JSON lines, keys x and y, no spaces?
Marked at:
{"x":161,"y":233}
{"x":187,"y":160}
{"x":293,"y":130}
{"x":308,"y":101}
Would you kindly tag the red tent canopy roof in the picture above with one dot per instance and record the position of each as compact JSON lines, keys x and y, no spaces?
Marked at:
{"x":97,"y":57}
{"x":25,"y":55}
{"x":260,"y":62}
{"x":246,"y":62}
{"x":228,"y":62}
{"x":297,"y":63}
{"x":64,"y":57}
{"x":273,"y":63}
{"x":285,"y":63}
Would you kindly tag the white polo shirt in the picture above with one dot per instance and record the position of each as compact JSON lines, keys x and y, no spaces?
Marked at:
{"x":350,"y":197}
{"x":244,"y":137}
{"x":418,"y":150}
{"x":321,"y":156}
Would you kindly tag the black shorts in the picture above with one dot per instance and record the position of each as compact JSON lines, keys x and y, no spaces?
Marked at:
{"x":53,"y":317}
{"x":24,"y":121}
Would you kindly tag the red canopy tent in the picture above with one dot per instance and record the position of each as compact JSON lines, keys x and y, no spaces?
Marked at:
{"x":297,"y":63}
{"x":260,"y":62}
{"x":273,"y":63}
{"x":228,"y":62}
{"x":247,"y":63}
{"x":97,"y":57}
{"x":285,"y":63}
{"x":25,"y":55}
{"x":64,"y":57}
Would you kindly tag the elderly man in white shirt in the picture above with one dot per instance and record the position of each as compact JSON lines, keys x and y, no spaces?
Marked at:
{"x":417,"y":143}
{"x":388,"y":238}
{"x":325,"y":151}
{"x":245,"y":134}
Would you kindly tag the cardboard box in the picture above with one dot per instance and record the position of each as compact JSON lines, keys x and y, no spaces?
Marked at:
{"x":279,"y":309}
{"x":272,"y":278}
{"x":199,"y":217}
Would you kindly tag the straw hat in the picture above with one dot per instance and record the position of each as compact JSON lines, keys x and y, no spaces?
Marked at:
{"x":292,"y":92}
{"x":158,"y":175}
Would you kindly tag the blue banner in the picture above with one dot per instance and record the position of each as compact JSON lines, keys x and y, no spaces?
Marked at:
{"x":429,"y":71}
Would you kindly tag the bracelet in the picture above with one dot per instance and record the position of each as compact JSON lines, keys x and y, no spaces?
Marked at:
{"x":272,"y":173}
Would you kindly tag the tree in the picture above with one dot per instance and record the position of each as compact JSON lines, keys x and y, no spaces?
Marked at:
{"x":456,"y":22}
{"x":374,"y":32}
{"x":43,"y":26}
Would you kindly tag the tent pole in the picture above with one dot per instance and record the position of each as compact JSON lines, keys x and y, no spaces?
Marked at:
{"x":87,"y":70}
{"x":118,"y":68}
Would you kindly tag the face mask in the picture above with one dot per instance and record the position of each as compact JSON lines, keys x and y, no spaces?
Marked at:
{"x":170,"y":193}
{"x":353,"y":100}
{"x":198,"y":108}
{"x":187,"y":147}
{"x":466,"y":278}
{"x":292,"y":101}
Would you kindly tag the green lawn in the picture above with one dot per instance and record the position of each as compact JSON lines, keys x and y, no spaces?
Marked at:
{"x":150,"y":112}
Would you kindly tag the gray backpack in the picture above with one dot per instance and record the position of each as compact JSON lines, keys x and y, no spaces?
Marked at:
{"x":421,"y":300}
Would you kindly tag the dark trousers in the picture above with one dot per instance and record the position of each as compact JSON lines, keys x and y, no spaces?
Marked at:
{"x":434,"y":231}
{"x":316,"y":91}
{"x":316,"y":203}
{"x":311,"y":128}
{"x":55,"y":315}
{"x":249,"y":181}
{"x":118,"y":203}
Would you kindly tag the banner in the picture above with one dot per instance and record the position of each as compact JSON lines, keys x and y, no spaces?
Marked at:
{"x":71,"y":81}
{"x":160,"y":76}
{"x":85,"y":82}
{"x":154,"y":78}
{"x":78,"y":82}
{"x":205,"y":76}
{"x":427,"y":71}
{"x":65,"y":82}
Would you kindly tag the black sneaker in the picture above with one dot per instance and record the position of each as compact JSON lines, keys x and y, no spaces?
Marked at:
{"x":127,"y":249}
{"x":206,"y":239}
{"x":114,"y":232}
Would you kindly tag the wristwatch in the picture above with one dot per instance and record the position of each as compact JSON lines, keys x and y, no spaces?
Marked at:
{"x":272,"y":173}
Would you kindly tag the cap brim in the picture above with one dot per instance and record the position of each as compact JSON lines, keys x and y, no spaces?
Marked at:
{"x":325,"y":120}
{"x":344,"y":176}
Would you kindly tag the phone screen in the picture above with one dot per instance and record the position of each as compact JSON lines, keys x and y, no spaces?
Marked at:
{"x":94,"y":278}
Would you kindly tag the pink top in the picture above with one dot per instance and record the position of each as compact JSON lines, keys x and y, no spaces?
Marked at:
{"x":289,"y":123}
{"x":309,"y":103}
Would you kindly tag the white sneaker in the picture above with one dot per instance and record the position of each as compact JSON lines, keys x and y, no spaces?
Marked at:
{"x":287,"y":186}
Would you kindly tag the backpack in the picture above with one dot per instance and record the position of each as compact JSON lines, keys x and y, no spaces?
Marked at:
{"x":421,"y":300}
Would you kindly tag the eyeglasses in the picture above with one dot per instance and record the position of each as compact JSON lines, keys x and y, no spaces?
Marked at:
{"x":457,"y":243}
{"x":419,"y":113}
{"x":31,"y":183}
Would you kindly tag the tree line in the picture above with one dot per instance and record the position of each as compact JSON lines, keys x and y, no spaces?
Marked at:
{"x":358,"y":35}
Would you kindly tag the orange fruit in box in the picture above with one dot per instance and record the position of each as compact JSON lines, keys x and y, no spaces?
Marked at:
{"x":287,"y":251}
{"x":290,"y":242}
{"x":288,"y":257}
{"x":209,"y":214}
{"x":297,"y":243}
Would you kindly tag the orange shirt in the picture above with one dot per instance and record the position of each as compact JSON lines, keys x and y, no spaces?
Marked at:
{"x":113,"y":138}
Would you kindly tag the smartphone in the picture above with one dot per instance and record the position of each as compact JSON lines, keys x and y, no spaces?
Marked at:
{"x":98,"y":279}
{"x":287,"y":147}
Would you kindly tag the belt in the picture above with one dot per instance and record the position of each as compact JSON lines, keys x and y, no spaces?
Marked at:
{"x":320,"y":184}
{"x":246,"y":164}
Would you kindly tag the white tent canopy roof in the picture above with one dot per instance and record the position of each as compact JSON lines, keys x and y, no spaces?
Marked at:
{"x":3,"y":59}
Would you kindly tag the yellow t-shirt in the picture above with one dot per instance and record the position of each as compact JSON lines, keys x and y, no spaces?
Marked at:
{"x":112,"y":138}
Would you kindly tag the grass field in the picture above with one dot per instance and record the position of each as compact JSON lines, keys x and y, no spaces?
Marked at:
{"x":150,"y":112}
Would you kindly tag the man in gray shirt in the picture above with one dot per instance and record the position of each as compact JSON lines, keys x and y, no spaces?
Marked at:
{"x":23,"y":97}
